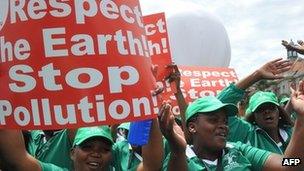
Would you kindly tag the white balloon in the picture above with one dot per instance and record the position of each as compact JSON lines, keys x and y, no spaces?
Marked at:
{"x":198,"y":38}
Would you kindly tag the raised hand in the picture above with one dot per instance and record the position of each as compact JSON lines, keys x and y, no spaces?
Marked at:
{"x":286,"y":44}
{"x":273,"y":69}
{"x":171,"y":131}
{"x":154,"y":70}
{"x":158,"y":89}
{"x":174,"y":76}
{"x":297,"y":99}
{"x":298,"y":48}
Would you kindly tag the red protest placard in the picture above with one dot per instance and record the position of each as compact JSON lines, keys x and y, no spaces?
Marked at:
{"x":158,"y":43}
{"x":73,"y":63}
{"x":198,"y":82}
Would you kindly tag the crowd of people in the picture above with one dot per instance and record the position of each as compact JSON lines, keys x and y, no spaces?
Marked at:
{"x":209,"y":135}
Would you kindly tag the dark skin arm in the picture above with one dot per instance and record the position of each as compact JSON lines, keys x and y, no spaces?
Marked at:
{"x":72,"y":134}
{"x":298,"y":48}
{"x":270,"y":71}
{"x":295,"y":148}
{"x":175,"y":78}
{"x":152,"y":152}
{"x":14,"y":154}
{"x":288,"y":107}
{"x":114,"y":131}
{"x":175,"y":136}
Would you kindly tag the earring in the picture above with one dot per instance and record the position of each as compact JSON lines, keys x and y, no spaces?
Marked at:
{"x":280,"y":117}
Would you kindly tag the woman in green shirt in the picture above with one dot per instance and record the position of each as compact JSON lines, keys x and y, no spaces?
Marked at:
{"x":255,"y":131}
{"x":266,"y":125}
{"x":207,"y":123}
{"x":91,"y":151}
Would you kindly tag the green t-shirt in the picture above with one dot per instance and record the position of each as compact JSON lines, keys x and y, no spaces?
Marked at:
{"x":293,"y":116}
{"x":124,"y":158}
{"x":56,"y":150}
{"x":31,"y":145}
{"x":50,"y":167}
{"x":236,"y":157}
{"x":166,"y":148}
{"x":241,"y":130}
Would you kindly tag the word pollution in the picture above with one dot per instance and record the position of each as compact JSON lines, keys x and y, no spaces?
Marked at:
{"x":43,"y":112}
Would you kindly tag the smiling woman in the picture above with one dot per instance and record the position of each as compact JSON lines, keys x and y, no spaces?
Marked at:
{"x":206,"y":129}
{"x":91,"y":151}
{"x":206,"y":120}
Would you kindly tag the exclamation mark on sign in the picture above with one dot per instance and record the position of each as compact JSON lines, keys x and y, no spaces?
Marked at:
{"x":144,"y":40}
{"x":155,"y":105}
{"x":164,"y":43}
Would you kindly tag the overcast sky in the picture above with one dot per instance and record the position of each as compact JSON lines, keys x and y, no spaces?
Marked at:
{"x":255,"y":27}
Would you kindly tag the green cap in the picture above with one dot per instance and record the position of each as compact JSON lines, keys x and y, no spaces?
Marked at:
{"x":208,"y":104}
{"x":260,"y":98}
{"x":88,"y":132}
{"x":284,"y":100}
{"x":125,"y":125}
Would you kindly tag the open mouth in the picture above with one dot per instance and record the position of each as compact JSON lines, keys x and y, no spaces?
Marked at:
{"x":222,"y":135}
{"x":94,"y":165}
{"x":269,"y":118}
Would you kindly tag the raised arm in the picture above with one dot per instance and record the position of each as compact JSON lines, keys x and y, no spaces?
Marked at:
{"x":298,"y":48}
{"x":175,"y":137}
{"x":114,"y":131}
{"x":295,"y":148}
{"x":234,"y":93}
{"x":71,"y":134}
{"x":14,"y":154}
{"x":270,"y":71}
{"x":175,"y":78}
{"x":152,"y":152}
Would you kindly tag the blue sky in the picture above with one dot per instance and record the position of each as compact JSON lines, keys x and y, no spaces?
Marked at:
{"x":255,"y":27}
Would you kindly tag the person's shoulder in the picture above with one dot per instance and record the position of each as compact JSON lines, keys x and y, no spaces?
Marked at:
{"x":287,"y":128}
{"x":236,"y":145}
{"x":121,"y":145}
{"x":36,"y":135}
{"x":60,"y":134}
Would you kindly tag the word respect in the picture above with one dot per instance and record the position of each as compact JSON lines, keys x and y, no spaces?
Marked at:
{"x":38,"y":9}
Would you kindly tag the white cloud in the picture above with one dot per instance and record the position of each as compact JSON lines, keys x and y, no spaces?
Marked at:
{"x":255,"y":27}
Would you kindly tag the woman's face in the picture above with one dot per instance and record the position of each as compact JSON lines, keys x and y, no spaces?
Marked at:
{"x":267,"y":116}
{"x":210,"y":129}
{"x":92,"y":155}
